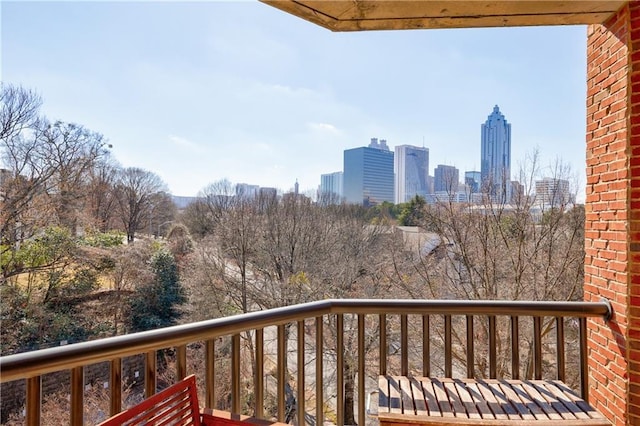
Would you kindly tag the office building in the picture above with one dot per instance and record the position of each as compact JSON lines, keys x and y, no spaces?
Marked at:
{"x":368,"y":174}
{"x":553,"y":193}
{"x":518,"y":195}
{"x":472,"y":180}
{"x":450,"y":197}
{"x":445,"y":179}
{"x":246,"y":191}
{"x":429,"y":184}
{"x":331,"y":188}
{"x":495,"y":157}
{"x":411,"y":165}
{"x":267,"y":193}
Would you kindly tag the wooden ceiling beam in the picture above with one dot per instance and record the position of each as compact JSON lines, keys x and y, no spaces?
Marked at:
{"x":363,"y":15}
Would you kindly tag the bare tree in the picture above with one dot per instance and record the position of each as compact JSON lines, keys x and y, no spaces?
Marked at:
{"x":137,"y":192}
{"x":500,"y":251}
{"x":19,"y":110}
{"x":101,"y":194}
{"x":234,"y":220}
{"x":23,"y":184}
{"x":265,"y":252}
{"x":22,"y":177}
{"x":71,"y":151}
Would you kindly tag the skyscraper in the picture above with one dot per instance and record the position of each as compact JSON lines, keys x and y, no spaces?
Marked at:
{"x":368,"y":174}
{"x":472,"y":179}
{"x":446,"y":179}
{"x":247,"y":191}
{"x":495,"y":159}
{"x":411,"y":169}
{"x":553,"y":193}
{"x":331,"y":188}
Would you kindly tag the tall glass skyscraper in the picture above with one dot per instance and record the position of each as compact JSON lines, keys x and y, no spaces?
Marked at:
{"x":495,"y":159}
{"x":368,"y":175}
{"x":412,"y":171}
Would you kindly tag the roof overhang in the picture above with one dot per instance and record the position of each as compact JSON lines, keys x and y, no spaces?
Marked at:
{"x":361,"y":15}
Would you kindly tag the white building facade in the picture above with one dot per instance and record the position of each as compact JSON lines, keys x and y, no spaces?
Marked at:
{"x":553,"y":193}
{"x":331,"y":188}
{"x":411,"y":168}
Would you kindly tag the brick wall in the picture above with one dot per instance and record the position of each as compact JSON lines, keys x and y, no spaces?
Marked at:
{"x":612,"y":228}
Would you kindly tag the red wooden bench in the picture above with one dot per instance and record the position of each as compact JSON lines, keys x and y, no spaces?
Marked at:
{"x":177,"y":405}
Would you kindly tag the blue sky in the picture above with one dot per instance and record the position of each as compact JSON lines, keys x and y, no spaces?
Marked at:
{"x":200,"y":91}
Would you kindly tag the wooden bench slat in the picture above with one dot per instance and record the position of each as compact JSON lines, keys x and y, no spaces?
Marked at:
{"x":558,"y":406}
{"x":495,"y":406}
{"x":480,"y":402}
{"x":384,"y":399}
{"x":541,"y":401}
{"x":395,"y":401}
{"x":528,"y":400}
{"x":467,"y":400}
{"x":581,"y":403}
{"x":491,"y":402}
{"x":177,"y":417}
{"x":443,"y":400}
{"x":566,"y":401}
{"x":170,"y":409}
{"x":407,"y":396}
{"x":224,"y":418}
{"x":513,"y":398}
{"x":431,"y":398}
{"x":179,"y":398}
{"x":420,"y":403}
{"x":456,"y":401}
{"x":503,"y":400}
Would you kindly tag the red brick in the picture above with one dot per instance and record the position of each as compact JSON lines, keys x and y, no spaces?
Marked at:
{"x":612,"y":225}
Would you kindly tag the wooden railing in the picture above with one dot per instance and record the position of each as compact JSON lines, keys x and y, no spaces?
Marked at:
{"x":420,"y":332}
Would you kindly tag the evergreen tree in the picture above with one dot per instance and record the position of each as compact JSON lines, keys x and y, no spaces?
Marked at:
{"x":157,"y":303}
{"x":413,"y":212}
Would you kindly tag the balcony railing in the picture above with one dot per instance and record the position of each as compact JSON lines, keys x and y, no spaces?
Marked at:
{"x":426,"y":337}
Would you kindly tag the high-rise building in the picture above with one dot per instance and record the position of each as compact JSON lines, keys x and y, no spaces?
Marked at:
{"x":331,"y":188}
{"x":495,"y":159}
{"x":472,"y":180}
{"x":266,"y":193}
{"x":411,"y":164}
{"x":445,"y":179}
{"x":368,"y":174}
{"x":517,"y":195}
{"x":247,"y":191}
{"x":553,"y":193}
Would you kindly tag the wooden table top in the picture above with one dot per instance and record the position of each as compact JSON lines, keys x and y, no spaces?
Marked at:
{"x":422,"y":400}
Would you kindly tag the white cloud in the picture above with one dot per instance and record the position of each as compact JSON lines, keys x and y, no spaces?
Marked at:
{"x":324,"y":127}
{"x":185,"y":143}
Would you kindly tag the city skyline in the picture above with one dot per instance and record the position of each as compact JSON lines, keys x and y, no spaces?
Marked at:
{"x":201,"y":91}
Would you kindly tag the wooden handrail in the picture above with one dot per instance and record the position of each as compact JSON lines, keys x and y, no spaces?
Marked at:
{"x":35,"y":363}
{"x":32,"y":365}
